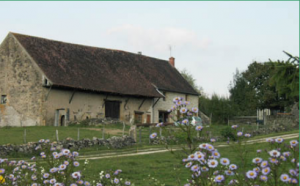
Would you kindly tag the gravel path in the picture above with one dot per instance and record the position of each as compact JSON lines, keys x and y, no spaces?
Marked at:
{"x":161,"y":150}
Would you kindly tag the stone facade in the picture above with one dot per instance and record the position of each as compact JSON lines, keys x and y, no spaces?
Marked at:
{"x":28,"y":102}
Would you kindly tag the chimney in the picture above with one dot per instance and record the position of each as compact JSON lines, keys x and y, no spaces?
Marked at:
{"x":172,"y":61}
{"x":139,"y":53}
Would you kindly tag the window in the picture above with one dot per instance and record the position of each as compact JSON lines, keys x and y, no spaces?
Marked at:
{"x":3,"y":99}
{"x":163,"y":116}
{"x":138,"y":117}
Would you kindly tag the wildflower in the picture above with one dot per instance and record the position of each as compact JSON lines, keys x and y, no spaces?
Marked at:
{"x":195,"y":109}
{"x":212,"y":163}
{"x":224,"y":161}
{"x":195,"y":168}
{"x":80,"y":182}
{"x":53,"y":170}
{"x":116,"y":180}
{"x":213,"y":140}
{"x":183,"y":110}
{"x":204,"y":169}
{"x":107,"y":176}
{"x":269,"y":140}
{"x":76,"y":163}
{"x":234,"y":126}
{"x":45,"y":175}
{"x":264,"y":164}
{"x":219,"y":178}
{"x":185,"y":122}
{"x":186,"y":103}
{"x":66,"y":151}
{"x":274,"y":153}
{"x":278,"y":140}
{"x":176,"y":99}
{"x":263,"y":178}
{"x":86,"y":183}
{"x":52,"y":181}
{"x":210,"y":147}
{"x":251,"y":174}
{"x":199,"y":128}
{"x":248,"y":135}
{"x":216,"y":154}
{"x":283,"y":158}
{"x":189,"y":164}
{"x":284,"y":177}
{"x":239,"y":133}
{"x":203,"y":146}
{"x":152,"y":136}
{"x":294,"y":180}
{"x":229,"y":173}
{"x":62,"y":167}
{"x":185,"y":160}
{"x":159,"y":125}
{"x":41,"y":141}
{"x":2,"y":171}
{"x":73,"y":184}
{"x":286,"y":154}
{"x":258,"y":151}
{"x":232,"y":167}
{"x":233,"y":182}
{"x":266,"y":171}
{"x":256,"y":169}
{"x":33,"y":177}
{"x":294,"y":143}
{"x":75,"y":154}
{"x":257,"y":160}
{"x":76,"y":175}
{"x":215,"y":172}
{"x":273,"y":160}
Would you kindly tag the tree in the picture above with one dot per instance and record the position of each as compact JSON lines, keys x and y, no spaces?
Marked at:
{"x":190,"y":79}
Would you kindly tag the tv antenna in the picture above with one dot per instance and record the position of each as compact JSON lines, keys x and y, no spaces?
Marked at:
{"x":170,"y":48}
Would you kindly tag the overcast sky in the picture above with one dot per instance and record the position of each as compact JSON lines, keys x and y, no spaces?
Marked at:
{"x":210,"y":39}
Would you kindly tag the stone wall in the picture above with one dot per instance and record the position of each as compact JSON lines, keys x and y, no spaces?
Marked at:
{"x":29,"y":148}
{"x":20,"y":82}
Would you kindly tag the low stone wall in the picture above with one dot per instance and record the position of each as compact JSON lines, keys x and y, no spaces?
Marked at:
{"x":29,"y":148}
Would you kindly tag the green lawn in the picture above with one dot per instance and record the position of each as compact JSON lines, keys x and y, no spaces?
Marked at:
{"x":164,"y":166}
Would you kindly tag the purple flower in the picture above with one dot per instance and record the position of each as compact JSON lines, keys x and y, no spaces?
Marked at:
{"x":284,"y":177}
{"x":239,"y":133}
{"x":152,"y":136}
{"x":234,"y":126}
{"x":278,"y":140}
{"x":274,"y":153}
{"x":263,"y":178}
{"x":2,"y":171}
{"x":213,"y":140}
{"x":212,"y":163}
{"x":219,"y":178}
{"x":127,"y":183}
{"x":258,"y":151}
{"x":199,"y":128}
{"x":251,"y":174}
{"x":195,"y":168}
{"x":116,"y":180}
{"x":185,"y":122}
{"x":269,"y":140}
{"x":294,"y":143}
{"x":232,"y":167}
{"x":266,"y":171}
{"x":195,"y":109}
{"x":224,"y":161}
{"x":264,"y":164}
{"x":183,"y":110}
{"x":248,"y":135}
{"x":256,"y":160}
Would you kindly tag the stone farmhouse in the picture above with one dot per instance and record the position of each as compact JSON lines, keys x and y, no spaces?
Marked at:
{"x":47,"y":82}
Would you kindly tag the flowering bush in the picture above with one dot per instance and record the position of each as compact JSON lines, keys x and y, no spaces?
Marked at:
{"x":57,"y":167}
{"x":208,"y":167}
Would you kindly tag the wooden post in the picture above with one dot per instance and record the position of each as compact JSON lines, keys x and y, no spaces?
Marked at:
{"x":160,"y":132}
{"x":24,"y":135}
{"x":150,"y":134}
{"x":78,"y":134}
{"x":57,"y":138}
{"x":123,"y":128}
{"x":103,"y":134}
{"x":140,"y":131}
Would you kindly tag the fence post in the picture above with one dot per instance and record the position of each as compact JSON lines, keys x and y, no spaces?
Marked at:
{"x":24,"y":135}
{"x":103,"y":134}
{"x":160,"y":132}
{"x":123,"y":128}
{"x":140,"y":129}
{"x":57,"y":139}
{"x":78,"y":134}
{"x":150,"y":134}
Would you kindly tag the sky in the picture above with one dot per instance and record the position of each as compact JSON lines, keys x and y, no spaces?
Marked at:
{"x":208,"y":39}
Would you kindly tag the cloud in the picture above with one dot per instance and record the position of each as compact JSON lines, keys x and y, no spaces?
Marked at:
{"x":160,"y":39}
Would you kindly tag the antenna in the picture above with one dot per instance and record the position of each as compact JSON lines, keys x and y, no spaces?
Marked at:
{"x":170,"y":48}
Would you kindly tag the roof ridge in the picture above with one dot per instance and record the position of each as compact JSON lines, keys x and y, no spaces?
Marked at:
{"x":82,"y":45}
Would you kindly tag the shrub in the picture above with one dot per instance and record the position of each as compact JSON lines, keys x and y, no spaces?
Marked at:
{"x":228,"y":134}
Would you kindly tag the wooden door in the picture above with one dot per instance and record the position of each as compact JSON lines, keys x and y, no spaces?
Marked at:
{"x":148,"y":118}
{"x":112,"y":109}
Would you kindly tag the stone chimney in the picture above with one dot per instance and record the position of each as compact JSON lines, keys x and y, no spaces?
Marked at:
{"x":172,"y":61}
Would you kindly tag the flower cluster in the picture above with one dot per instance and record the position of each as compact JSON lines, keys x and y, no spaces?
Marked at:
{"x":53,"y":166}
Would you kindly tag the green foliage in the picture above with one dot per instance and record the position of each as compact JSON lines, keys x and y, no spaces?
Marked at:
{"x":190,"y":79}
{"x":221,"y":108}
{"x":227,"y":133}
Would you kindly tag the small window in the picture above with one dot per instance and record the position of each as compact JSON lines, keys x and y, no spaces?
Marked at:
{"x":3,"y":99}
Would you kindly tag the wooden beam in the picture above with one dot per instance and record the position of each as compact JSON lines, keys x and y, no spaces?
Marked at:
{"x":71,"y":98}
{"x":126,"y":101}
{"x":142,"y":103}
{"x":155,"y":102}
{"x":48,"y":93}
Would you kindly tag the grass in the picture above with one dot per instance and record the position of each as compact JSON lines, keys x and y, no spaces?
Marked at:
{"x":165,"y":166}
